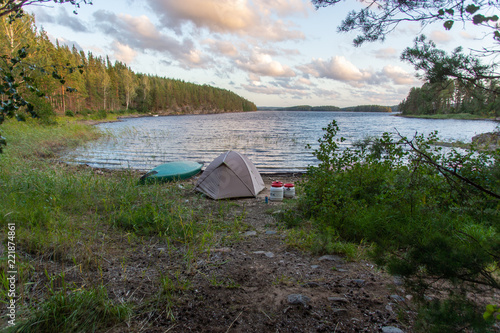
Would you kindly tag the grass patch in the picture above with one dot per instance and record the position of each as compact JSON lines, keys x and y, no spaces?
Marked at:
{"x":56,"y":203}
{"x":73,"y":312}
{"x":72,"y":216}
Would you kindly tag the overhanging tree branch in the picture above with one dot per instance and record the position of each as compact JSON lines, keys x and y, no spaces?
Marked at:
{"x":14,"y":8}
{"x":12,"y":79}
{"x":443,"y":170}
{"x":380,"y":17}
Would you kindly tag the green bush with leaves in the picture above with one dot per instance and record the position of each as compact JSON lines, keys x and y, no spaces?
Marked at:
{"x":99,"y":115}
{"x":431,"y":215}
{"x":43,"y":108}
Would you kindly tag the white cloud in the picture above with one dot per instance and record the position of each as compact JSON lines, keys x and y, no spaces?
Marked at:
{"x":466,"y":35}
{"x":195,"y":57}
{"x":387,"y":53}
{"x":225,"y":48}
{"x":399,"y":75}
{"x":140,"y":25}
{"x":440,"y":36}
{"x":217,"y":15}
{"x":254,"y":78}
{"x":264,"y":65}
{"x":60,"y":17}
{"x":304,"y":81}
{"x":123,"y":53}
{"x":262,"y":89}
{"x":238,"y":17}
{"x":140,"y":34}
{"x":330,"y":94}
{"x":284,"y":7}
{"x":336,"y":68}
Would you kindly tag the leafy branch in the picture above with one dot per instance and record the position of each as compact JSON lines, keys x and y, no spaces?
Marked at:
{"x":438,"y":66}
{"x":14,"y":8}
{"x":15,"y":73}
{"x":446,"y":171}
{"x":380,"y":17}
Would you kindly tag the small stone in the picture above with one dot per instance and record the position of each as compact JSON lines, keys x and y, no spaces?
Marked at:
{"x":338,"y":299}
{"x":398,"y":281}
{"x":341,"y":270}
{"x":339,"y":311}
{"x":267,"y":254}
{"x":222,"y":249}
{"x":391,"y":329}
{"x":314,"y":266}
{"x":298,"y":299}
{"x":250,"y":233}
{"x":161,"y":249}
{"x":359,"y":282}
{"x":398,"y":298}
{"x":330,"y":258}
{"x":271,"y":232}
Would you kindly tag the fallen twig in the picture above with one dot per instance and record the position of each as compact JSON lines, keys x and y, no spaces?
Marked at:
{"x":234,"y":321}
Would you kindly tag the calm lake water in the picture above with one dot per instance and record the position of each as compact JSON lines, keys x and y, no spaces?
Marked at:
{"x":274,"y":140}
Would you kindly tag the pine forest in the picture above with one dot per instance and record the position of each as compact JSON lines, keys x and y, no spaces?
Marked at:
{"x":86,"y":83}
{"x":453,"y":97}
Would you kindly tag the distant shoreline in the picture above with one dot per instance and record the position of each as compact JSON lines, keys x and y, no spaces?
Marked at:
{"x":357,"y":108}
{"x":323,"y":111}
{"x":458,"y":116}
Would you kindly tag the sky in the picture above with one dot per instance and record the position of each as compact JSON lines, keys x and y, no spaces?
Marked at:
{"x":271,"y":52}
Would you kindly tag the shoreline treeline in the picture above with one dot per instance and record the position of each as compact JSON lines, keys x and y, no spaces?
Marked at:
{"x":359,"y":108}
{"x":452,"y":97}
{"x":98,"y":84}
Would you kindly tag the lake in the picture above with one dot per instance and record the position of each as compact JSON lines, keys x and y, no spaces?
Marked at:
{"x":274,"y":140}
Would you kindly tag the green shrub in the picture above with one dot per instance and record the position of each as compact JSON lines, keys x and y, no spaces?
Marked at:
{"x":69,"y":113}
{"x":43,"y":109}
{"x":428,"y":214}
{"x":455,"y":314}
{"x":99,"y":115}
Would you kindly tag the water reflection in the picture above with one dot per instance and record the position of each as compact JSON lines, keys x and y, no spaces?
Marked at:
{"x":274,"y":141}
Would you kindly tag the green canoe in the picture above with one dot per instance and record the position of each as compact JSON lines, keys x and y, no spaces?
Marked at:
{"x":172,"y":171}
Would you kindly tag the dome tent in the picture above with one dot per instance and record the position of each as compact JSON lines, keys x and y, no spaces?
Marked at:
{"x":231,"y":175}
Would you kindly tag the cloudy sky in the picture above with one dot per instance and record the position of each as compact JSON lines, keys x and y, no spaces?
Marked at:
{"x":272,"y":52}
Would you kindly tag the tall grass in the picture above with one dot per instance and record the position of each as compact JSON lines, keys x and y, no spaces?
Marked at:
{"x":61,"y":212}
{"x":53,"y":202}
{"x":75,"y":312}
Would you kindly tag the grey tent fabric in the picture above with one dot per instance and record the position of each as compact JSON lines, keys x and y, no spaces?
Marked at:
{"x":231,"y":175}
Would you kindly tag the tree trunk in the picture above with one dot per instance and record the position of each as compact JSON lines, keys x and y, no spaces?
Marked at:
{"x":63,"y":103}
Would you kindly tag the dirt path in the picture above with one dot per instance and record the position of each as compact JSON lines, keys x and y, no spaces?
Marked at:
{"x":258,"y":284}
{"x":255,"y":283}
